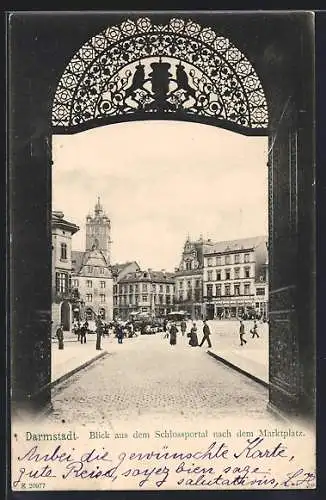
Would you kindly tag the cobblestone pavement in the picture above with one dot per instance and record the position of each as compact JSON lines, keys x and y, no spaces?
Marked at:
{"x":146,"y":376}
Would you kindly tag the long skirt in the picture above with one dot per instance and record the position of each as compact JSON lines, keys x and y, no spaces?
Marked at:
{"x":193,"y":340}
{"x":173,"y":339}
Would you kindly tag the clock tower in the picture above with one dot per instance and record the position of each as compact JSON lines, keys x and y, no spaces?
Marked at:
{"x":98,"y":232}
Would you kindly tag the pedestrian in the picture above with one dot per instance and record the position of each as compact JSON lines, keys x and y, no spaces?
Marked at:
{"x":254,"y":332}
{"x":173,"y":334}
{"x":193,"y":336}
{"x":83,"y":332}
{"x":59,"y":335}
{"x":206,"y":334}
{"x":183,"y":327}
{"x":119,"y":332}
{"x":167,"y":329}
{"x":99,"y":327}
{"x":242,"y":332}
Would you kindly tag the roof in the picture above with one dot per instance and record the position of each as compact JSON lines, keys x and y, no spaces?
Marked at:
{"x":57,"y":220}
{"x":77,"y":258}
{"x":149,"y":276}
{"x":235,"y":245}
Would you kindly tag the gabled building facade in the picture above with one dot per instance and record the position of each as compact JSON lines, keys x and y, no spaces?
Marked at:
{"x":189,"y":278}
{"x":92,"y":279}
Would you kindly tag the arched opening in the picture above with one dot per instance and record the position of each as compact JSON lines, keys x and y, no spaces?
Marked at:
{"x":278,"y":60}
{"x":65,"y":315}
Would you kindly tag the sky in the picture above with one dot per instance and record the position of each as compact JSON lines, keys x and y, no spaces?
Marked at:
{"x":159,"y":181}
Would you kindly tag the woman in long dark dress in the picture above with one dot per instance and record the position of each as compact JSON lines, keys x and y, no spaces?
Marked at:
{"x":193,"y":336}
{"x":173,"y":334}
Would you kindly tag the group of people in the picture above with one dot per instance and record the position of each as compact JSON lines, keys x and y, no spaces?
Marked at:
{"x":171,"y":330}
{"x":242,"y":332}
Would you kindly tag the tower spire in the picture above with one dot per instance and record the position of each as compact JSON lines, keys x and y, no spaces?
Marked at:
{"x":98,"y":207}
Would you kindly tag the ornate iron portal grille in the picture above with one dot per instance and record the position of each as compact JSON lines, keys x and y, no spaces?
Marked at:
{"x":139,"y":70}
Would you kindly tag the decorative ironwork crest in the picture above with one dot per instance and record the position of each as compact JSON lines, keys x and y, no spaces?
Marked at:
{"x":139,"y":68}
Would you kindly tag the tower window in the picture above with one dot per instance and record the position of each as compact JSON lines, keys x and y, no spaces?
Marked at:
{"x":64,"y":251}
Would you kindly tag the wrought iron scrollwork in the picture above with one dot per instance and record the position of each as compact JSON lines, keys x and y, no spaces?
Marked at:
{"x":175,"y":68}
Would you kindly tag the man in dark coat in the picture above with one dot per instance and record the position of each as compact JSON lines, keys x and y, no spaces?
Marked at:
{"x":206,"y":332}
{"x":59,"y":334}
{"x":119,"y":330}
{"x":254,"y":332}
{"x":241,"y":333}
{"x":83,"y":331}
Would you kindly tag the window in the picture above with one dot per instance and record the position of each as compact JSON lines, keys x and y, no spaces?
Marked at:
{"x":89,"y":283}
{"x":167,"y":288}
{"x":136,"y":288}
{"x":236,"y":273}
{"x":236,"y":289}
{"x":101,"y":270}
{"x":237,"y":258}
{"x":260,"y":291}
{"x":210,"y":275}
{"x":102,"y":297}
{"x":210,"y":261}
{"x":189,"y":294}
{"x":247,"y":272}
{"x":144,"y":287}
{"x":181,"y":295}
{"x":61,"y":282}
{"x":227,"y":289}
{"x":115,"y":288}
{"x":180,"y":284}
{"x":219,"y":260}
{"x":209,"y":290}
{"x":218,"y":275}
{"x":247,"y":289}
{"x":154,"y":287}
{"x":188,"y":265}
{"x":130,"y":299}
{"x":145,"y":298}
{"x":197,"y":283}
{"x":130,"y":288}
{"x":90,"y":269}
{"x":227,"y":274}
{"x":161,"y":288}
{"x":161,"y":299}
{"x":75,"y":283}
{"x":246,"y":257}
{"x":89,"y":297}
{"x":115,"y":300}
{"x":168,"y":299}
{"x":218,"y":289}
{"x":228,"y":259}
{"x":102,"y":284}
{"x":63,"y":251}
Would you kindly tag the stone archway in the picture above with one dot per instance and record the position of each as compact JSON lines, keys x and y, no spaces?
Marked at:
{"x":278,"y":55}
